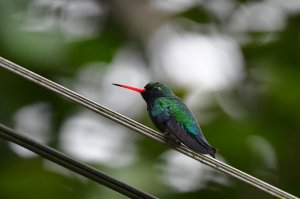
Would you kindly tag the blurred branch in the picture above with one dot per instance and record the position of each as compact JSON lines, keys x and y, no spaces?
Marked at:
{"x":72,"y":164}
{"x":71,"y":95}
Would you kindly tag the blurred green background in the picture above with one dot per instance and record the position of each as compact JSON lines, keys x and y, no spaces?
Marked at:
{"x":235,"y":63}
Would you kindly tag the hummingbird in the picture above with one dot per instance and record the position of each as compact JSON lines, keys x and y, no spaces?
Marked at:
{"x":172,"y":117}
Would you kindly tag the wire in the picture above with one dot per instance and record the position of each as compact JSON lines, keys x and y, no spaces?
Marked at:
{"x":125,"y":121}
{"x":72,"y":164}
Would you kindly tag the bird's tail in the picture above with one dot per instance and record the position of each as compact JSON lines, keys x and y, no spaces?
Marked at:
{"x":208,"y":149}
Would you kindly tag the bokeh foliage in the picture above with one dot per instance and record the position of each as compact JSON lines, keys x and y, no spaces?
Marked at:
{"x":268,"y":97}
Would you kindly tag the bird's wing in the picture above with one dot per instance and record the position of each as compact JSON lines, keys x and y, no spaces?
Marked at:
{"x":190,"y":140}
{"x":166,"y":108}
{"x":178,"y":120}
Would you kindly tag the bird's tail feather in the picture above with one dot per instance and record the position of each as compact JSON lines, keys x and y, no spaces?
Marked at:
{"x":211,"y":150}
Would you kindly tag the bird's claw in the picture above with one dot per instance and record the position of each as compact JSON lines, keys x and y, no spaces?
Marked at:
{"x":172,"y":140}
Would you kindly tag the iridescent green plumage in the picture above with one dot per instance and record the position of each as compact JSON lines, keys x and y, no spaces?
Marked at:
{"x":174,"y":105}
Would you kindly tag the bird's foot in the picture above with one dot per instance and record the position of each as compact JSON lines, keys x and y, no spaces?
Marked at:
{"x":172,"y":140}
{"x":174,"y":143}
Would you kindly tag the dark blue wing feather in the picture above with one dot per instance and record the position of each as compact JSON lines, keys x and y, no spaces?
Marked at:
{"x":193,"y":142}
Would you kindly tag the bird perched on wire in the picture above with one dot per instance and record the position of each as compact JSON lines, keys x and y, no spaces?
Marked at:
{"x":172,"y":117}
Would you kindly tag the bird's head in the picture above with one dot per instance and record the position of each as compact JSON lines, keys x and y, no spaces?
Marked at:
{"x":151,"y":91}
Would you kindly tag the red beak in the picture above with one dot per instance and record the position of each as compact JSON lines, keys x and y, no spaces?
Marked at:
{"x":140,"y":90}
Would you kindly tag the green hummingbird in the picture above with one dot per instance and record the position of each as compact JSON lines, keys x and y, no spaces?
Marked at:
{"x":171,"y":116}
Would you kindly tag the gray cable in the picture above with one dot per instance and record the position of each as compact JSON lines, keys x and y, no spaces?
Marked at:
{"x":125,"y":121}
{"x":72,"y":164}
